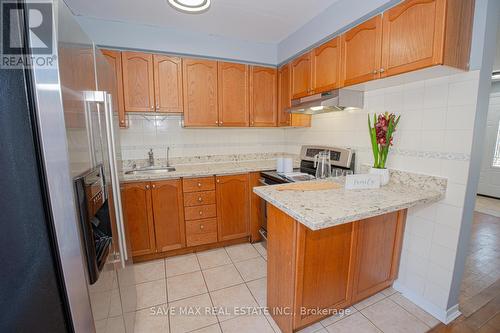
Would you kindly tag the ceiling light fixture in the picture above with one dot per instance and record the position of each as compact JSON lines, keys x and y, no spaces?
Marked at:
{"x":190,"y":6}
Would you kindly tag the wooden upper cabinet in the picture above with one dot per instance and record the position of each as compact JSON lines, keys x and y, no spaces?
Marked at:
{"x":233,"y":88}
{"x":326,"y":66}
{"x":263,"y":99}
{"x":138,"y":82}
{"x":423,"y":33}
{"x":284,"y":95}
{"x":112,"y":81}
{"x":136,"y":198}
{"x":168,"y":83}
{"x":200,"y":92}
{"x":361,"y":52}
{"x":168,"y":212}
{"x":301,"y":76}
{"x":233,"y":206}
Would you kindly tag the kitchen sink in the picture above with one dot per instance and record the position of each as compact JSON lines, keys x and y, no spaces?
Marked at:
{"x":150,"y":170}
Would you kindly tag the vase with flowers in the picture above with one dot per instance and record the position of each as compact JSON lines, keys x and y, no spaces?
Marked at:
{"x":384,"y":126}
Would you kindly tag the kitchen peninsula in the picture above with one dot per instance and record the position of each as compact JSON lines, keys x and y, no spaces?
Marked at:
{"x":330,"y":249}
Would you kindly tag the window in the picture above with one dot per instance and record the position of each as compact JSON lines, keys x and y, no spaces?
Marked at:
{"x":496,"y":154}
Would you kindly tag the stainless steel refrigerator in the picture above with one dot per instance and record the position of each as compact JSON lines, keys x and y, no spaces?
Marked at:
{"x":78,"y":130}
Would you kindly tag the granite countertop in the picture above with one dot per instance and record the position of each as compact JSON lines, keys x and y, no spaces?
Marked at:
{"x":322,"y":209}
{"x":204,"y":169}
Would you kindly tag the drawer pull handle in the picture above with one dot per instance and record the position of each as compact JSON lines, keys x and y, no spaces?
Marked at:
{"x":200,"y":199}
{"x":201,"y":226}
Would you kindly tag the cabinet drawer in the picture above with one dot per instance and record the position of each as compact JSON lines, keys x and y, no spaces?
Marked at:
{"x":200,"y":212}
{"x":199,"y":198}
{"x":198,"y":184}
{"x":201,"y":232}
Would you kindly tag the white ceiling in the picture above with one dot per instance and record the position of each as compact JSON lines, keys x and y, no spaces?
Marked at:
{"x":266,"y":21}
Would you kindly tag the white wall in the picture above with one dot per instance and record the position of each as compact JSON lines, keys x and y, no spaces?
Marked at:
{"x":158,"y":132}
{"x":434,"y":137}
{"x":146,"y":37}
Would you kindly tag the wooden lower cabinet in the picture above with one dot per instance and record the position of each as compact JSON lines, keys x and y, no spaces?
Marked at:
{"x":154,"y":217}
{"x":138,"y":216}
{"x":379,"y":241}
{"x":328,"y":269}
{"x":168,"y":215}
{"x":233,"y":206}
{"x":201,"y":232}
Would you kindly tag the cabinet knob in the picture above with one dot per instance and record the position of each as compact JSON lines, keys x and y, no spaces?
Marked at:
{"x":218,"y":180}
{"x":199,"y":184}
{"x":200,"y":199}
{"x":216,"y":122}
{"x":201,"y":212}
{"x":382,"y":70}
{"x":202,"y":226}
{"x":375,"y":71}
{"x":220,"y":122}
{"x":152,"y":107}
{"x":147,"y":187}
{"x":153,"y":186}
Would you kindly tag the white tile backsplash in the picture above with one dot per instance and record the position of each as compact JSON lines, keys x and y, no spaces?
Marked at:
{"x":158,"y":132}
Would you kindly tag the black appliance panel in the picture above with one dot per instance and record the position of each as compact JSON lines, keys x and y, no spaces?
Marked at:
{"x":95,"y":222}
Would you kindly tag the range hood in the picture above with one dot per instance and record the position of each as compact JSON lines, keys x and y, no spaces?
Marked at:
{"x":333,"y":100}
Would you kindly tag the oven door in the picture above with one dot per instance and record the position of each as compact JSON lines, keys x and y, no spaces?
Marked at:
{"x":263,"y":210}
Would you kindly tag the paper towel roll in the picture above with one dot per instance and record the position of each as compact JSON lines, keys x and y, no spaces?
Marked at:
{"x":287,"y":165}
{"x":279,"y":165}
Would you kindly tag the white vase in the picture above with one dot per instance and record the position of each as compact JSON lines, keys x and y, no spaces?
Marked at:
{"x":383,"y":173}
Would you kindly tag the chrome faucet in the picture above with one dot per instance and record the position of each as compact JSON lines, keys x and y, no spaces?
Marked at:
{"x":151,"y":159}
{"x":168,"y":156}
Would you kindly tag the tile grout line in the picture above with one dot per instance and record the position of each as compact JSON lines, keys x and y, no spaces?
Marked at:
{"x":246,"y":283}
{"x":411,"y":314}
{"x":208,"y":291}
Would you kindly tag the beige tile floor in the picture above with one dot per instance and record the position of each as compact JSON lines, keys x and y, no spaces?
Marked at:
{"x":155,"y":293}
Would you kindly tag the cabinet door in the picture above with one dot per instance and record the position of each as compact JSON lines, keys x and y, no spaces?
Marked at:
{"x":413,"y":36}
{"x":326,"y":66}
{"x":233,"y":91}
{"x":138,"y":216}
{"x":112,"y":81}
{"x":301,"y":76}
{"x":200,"y":92}
{"x":233,"y":206}
{"x":263,"y":96}
{"x":284,"y":95}
{"x":323,"y":281}
{"x":138,"y":83}
{"x":168,"y":212}
{"x":378,"y":248}
{"x":168,"y":83}
{"x":361,"y":52}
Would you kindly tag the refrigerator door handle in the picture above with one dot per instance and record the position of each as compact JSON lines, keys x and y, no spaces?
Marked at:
{"x":115,"y":181}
